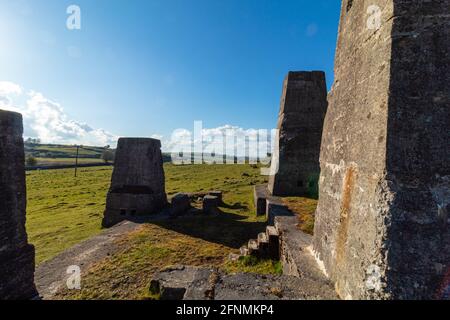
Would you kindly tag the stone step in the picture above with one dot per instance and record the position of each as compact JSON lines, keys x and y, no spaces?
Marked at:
{"x":295,"y":251}
{"x":276,"y":208}
{"x":253,"y":246}
{"x":271,"y":231}
{"x":244,"y":251}
{"x":260,"y":194}
{"x":274,"y":243}
{"x":234,"y":257}
{"x":263,"y":243}
{"x":263,"y":238}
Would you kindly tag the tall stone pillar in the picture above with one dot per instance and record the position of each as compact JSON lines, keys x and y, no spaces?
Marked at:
{"x":382,"y":228}
{"x":300,"y":125}
{"x":137,"y":185}
{"x":16,"y":255}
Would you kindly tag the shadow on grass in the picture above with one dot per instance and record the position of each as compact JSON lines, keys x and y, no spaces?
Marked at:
{"x":223,"y":228}
{"x":236,"y":206}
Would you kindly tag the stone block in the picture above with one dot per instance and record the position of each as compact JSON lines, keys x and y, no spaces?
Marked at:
{"x":180,"y":204}
{"x":217,"y":194}
{"x":172,"y":283}
{"x":380,"y":229}
{"x":16,"y":255}
{"x":297,"y":145}
{"x":274,"y":208}
{"x":274,"y":242}
{"x":260,"y":195}
{"x":137,"y":184}
{"x":210,"y":204}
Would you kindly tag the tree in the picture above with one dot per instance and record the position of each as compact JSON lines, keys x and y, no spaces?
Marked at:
{"x":107,"y":155}
{"x":33,"y":141}
{"x":31,"y":161}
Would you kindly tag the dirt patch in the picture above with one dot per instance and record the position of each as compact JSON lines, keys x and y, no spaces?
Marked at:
{"x":51,"y":276}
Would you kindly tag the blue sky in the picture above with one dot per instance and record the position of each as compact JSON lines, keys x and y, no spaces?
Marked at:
{"x":142,"y":68}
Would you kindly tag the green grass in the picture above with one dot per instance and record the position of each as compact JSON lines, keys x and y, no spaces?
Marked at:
{"x":63,"y":211}
{"x":305,"y":209}
{"x":63,"y":150}
{"x":254,"y":265}
{"x":66,"y":161}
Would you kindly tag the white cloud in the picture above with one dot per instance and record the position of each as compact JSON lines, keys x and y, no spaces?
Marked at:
{"x":7,"y":88}
{"x":45,"y":119}
{"x":157,"y":136}
{"x":5,"y":102}
{"x":229,"y":140}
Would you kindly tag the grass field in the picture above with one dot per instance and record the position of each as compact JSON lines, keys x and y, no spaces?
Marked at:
{"x":63,"y":211}
{"x":66,"y":161}
{"x":62,"y":151}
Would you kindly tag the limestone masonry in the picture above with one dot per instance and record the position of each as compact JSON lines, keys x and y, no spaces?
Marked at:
{"x":137,"y":185}
{"x":382,"y":227}
{"x":300,"y":124}
{"x":16,"y":255}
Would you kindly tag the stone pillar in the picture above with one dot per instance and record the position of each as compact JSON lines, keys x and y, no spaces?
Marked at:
{"x":381,"y":227}
{"x":16,"y":255}
{"x":137,"y":185}
{"x":300,"y":124}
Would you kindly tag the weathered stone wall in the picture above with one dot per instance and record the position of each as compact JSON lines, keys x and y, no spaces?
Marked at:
{"x":300,"y":124}
{"x":16,"y":255}
{"x":382,"y":221}
{"x":138,"y":184}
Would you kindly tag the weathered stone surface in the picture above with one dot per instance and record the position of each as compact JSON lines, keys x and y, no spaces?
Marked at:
{"x":381,"y":226}
{"x":276,"y":207}
{"x":180,"y":204}
{"x":247,"y":286}
{"x":137,"y":185}
{"x":218,"y":194}
{"x":300,"y":124}
{"x":296,"y":253}
{"x":260,"y":195}
{"x":191,"y":283}
{"x":210,"y":204}
{"x":16,"y":255}
{"x":172,"y":283}
{"x":203,"y":285}
{"x":274,"y":242}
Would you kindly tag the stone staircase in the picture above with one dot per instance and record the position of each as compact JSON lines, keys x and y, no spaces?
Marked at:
{"x":302,"y":277}
{"x":266,"y":246}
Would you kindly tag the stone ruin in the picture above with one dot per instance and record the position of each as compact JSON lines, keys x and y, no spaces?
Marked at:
{"x":382,"y":223}
{"x":381,"y":227}
{"x":297,"y":144}
{"x":137,"y":184}
{"x":181,"y":204}
{"x":300,"y":123}
{"x":16,"y":254}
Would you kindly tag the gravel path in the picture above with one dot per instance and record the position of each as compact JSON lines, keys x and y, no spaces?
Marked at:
{"x":50,"y":276}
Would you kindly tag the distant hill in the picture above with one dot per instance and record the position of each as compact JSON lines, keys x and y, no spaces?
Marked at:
{"x":55,"y":151}
{"x":51,"y":155}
